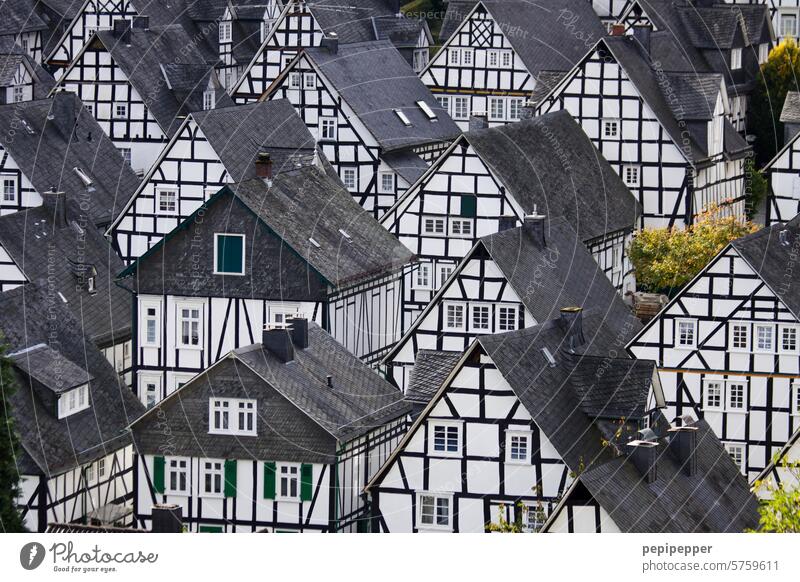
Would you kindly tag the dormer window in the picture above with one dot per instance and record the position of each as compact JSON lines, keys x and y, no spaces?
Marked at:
{"x":19,"y":93}
{"x":73,"y":401}
{"x":736,"y":59}
{"x":224,"y":32}
{"x":209,"y":99}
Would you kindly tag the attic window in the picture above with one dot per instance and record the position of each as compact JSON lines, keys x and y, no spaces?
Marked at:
{"x":403,"y":117}
{"x":314,"y":242}
{"x":427,"y":110}
{"x":551,"y":361}
{"x":27,"y":127}
{"x":209,"y":99}
{"x":87,"y":181}
{"x":73,"y":401}
{"x":345,"y":234}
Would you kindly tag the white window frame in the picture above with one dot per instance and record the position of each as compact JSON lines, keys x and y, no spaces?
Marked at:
{"x":794,"y":405}
{"x":115,"y":112}
{"x":610,"y":123}
{"x":755,"y":340}
{"x":225,"y":31}
{"x":345,"y":179}
{"x":279,"y":495}
{"x":328,"y":129}
{"x":205,"y":470}
{"x":534,"y":525}
{"x":788,"y":327}
{"x":440,"y":276}
{"x":233,"y":408}
{"x":12,"y":195}
{"x":101,"y":468}
{"x":309,"y":81}
{"x":474,"y":307}
{"x":514,"y":108}
{"x":763,"y":53}
{"x":516,"y":433}
{"x":427,"y":268}
{"x":458,"y":114}
{"x":286,"y":311}
{"x":493,"y":58}
{"x":295,"y":80}
{"x":420,"y":59}
{"x":500,"y":308}
{"x":732,"y":325}
{"x":456,"y":227}
{"x":177,"y":470}
{"x":156,"y":318}
{"x":155,"y":381}
{"x":677,"y":333}
{"x":179,"y":307}
{"x":244,"y":253}
{"x":454,"y":56}
{"x":209,"y":99}
{"x":444,"y":102}
{"x":497,"y":109}
{"x":445,"y":324}
{"x":721,"y":385}
{"x":729,"y":392}
{"x":793,"y":16}
{"x":436,"y":497}
{"x":730,"y":447}
{"x":506,"y":59}
{"x":18,"y":93}
{"x":437,"y":220}
{"x":127,"y":155}
{"x":736,"y":59}
{"x":73,"y":401}
{"x":467,"y":57}
{"x":447,"y":425}
{"x":165,"y":190}
{"x":631,"y":183}
{"x":382,"y":186}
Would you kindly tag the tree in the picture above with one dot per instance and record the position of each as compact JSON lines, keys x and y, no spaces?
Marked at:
{"x":780,"y":512}
{"x":10,"y":519}
{"x":756,"y":188}
{"x":779,"y":75}
{"x":665,"y":259}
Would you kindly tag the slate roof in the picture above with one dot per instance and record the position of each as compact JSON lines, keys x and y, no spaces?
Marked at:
{"x":769,"y":257}
{"x":52,"y":446}
{"x":143,"y":60}
{"x":50,"y":368}
{"x":407,"y":164}
{"x":64,"y":255}
{"x":375,"y":80}
{"x":306,"y":204}
{"x":76,"y":528}
{"x":47,"y":151}
{"x":791,"y":108}
{"x":715,"y":499}
{"x":17,"y":16}
{"x":11,"y":57}
{"x":358,"y":400}
{"x":549,"y":163}
{"x":430,"y":370}
{"x":237,"y":134}
{"x":457,"y":11}
{"x":355,"y":21}
{"x":403,"y":32}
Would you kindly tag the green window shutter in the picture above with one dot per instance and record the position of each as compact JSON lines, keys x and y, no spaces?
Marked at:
{"x":158,"y":474}
{"x":306,"y":482}
{"x":230,"y":478}
{"x":210,"y":529}
{"x":469,"y":206}
{"x":269,"y":480}
{"x":230,"y":253}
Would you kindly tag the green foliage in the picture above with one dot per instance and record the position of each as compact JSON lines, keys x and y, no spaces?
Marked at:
{"x":779,"y":75}
{"x":10,"y":519}
{"x":505,"y":526}
{"x":665,"y":259}
{"x":755,"y":187}
{"x":780,"y":512}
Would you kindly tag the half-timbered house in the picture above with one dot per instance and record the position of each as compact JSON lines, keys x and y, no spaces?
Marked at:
{"x":281,"y":436}
{"x":71,"y":411}
{"x":140,"y":82}
{"x":490,"y":63}
{"x":243,"y":26}
{"x":56,"y":143}
{"x":22,"y":78}
{"x":781,"y":471}
{"x":303,"y":24}
{"x":662,"y":486}
{"x":369,"y":113}
{"x":58,"y":243}
{"x":727,"y":346}
{"x":709,"y":36}
{"x":22,"y":25}
{"x":516,"y":419}
{"x":666,"y":134}
{"x":493,"y":178}
{"x":253,"y":255}
{"x":209,"y":149}
{"x":510,"y":280}
{"x":783,"y":171}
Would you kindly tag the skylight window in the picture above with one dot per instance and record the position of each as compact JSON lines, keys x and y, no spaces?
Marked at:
{"x":345,"y":234}
{"x":426,"y":110}
{"x":550,"y":359}
{"x":314,"y":242}
{"x":87,"y":181}
{"x":403,"y":117}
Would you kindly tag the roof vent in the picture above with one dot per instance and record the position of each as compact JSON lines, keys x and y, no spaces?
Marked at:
{"x":403,"y":117}
{"x":264,"y":165}
{"x":551,"y":361}
{"x":279,"y":343}
{"x":314,"y":242}
{"x":345,"y":235}
{"x":643,"y":453}
{"x":87,"y":181}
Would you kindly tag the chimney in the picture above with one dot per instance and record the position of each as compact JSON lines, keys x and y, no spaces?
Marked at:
{"x":618,"y":29}
{"x":264,"y":166}
{"x":299,"y":331}
{"x":330,"y":42}
{"x":478,"y":121}
{"x":279,"y":343}
{"x":572,"y":322}
{"x":141,"y":22}
{"x":683,"y":444}
{"x":62,"y":113}
{"x":533,"y":226}
{"x":122,"y":30}
{"x":167,"y":519}
{"x":55,"y":204}
{"x":643,"y":453}
{"x":641,"y":33}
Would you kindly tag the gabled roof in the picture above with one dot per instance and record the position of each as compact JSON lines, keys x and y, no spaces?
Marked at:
{"x":791,"y":108}
{"x":715,"y":499}
{"x":403,"y":32}
{"x":11,"y":57}
{"x":30,"y":316}
{"x":768,"y":256}
{"x":354,"y":21}
{"x":66,"y":255}
{"x":17,"y":16}
{"x":143,"y":58}
{"x":48,"y":151}
{"x":407,"y":164}
{"x":548,"y":163}
{"x":376,"y":81}
{"x":431,"y":369}
{"x":357,"y":401}
{"x":306,"y":204}
{"x":50,"y":368}
{"x":457,"y":11}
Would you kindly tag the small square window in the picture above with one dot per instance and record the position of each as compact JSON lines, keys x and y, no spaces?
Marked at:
{"x":686,"y":333}
{"x":212,"y":477}
{"x":507,"y":318}
{"x":518,"y":446}
{"x":446,"y":439}
{"x":229,"y":254}
{"x":713,"y":395}
{"x":387,"y":182}
{"x":120,"y":110}
{"x":167,"y":201}
{"x":454,"y":316}
{"x":309,"y":81}
{"x":736,"y":451}
{"x":432,"y":225}
{"x":630,"y":175}
{"x":788,"y":339}
{"x":433,"y":511}
{"x":327,"y":128}
{"x":461,"y":227}
{"x":611,"y":128}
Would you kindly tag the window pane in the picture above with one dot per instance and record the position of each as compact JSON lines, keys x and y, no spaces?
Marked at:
{"x":230,"y":254}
